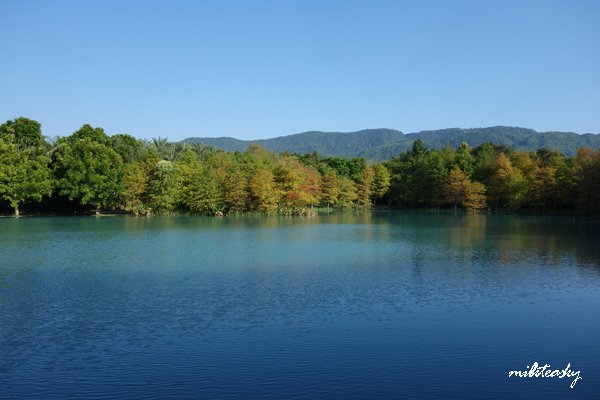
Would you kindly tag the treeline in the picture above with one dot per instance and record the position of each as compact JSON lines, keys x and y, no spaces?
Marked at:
{"x":495,"y":178}
{"x":90,"y":171}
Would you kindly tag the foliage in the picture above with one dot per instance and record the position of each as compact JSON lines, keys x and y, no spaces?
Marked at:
{"x":330,"y":190}
{"x":263,"y":191}
{"x":348,"y":193}
{"x":381,"y":181}
{"x":163,"y":187}
{"x":160,"y":177}
{"x":235,"y":188}
{"x":199,"y":192}
{"x":507,"y":186}
{"x":23,"y":175}
{"x":460,"y":191}
{"x":588,"y":175}
{"x":23,"y":132}
{"x":494,"y":177}
{"x":93,"y":134}
{"x":299,"y":185}
{"x":364,"y":186}
{"x":129,"y":148}
{"x":88,"y":171}
{"x":464,"y":159}
{"x":417,"y":177}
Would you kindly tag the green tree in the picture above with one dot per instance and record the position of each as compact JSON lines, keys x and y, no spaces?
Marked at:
{"x":426,"y":176}
{"x":464,"y":160}
{"x":163,"y":187}
{"x":417,"y":176}
{"x":23,"y":175}
{"x":235,"y":188}
{"x":337,"y":164}
{"x":135,"y":187}
{"x":89,"y":172}
{"x":129,"y":148}
{"x":312,"y":160}
{"x":484,"y":163}
{"x":199,"y":193}
{"x":23,"y":132}
{"x":94,"y":134}
{"x":136,"y":183}
{"x":381,"y":181}
{"x":164,"y":148}
{"x":352,"y":168}
{"x":348,"y":193}
{"x":448,"y":155}
{"x":356,"y":167}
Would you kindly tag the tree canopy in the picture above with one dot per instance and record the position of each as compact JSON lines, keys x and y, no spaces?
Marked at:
{"x":122,"y":173}
{"x":23,"y":132}
{"x":88,"y":171}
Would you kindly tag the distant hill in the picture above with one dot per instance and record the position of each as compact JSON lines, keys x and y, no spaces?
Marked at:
{"x":383,"y":144}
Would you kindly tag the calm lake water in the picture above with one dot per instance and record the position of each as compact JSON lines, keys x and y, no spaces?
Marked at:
{"x":382,"y":305}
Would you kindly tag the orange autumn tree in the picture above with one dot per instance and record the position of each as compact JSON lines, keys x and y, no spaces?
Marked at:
{"x":460,"y":191}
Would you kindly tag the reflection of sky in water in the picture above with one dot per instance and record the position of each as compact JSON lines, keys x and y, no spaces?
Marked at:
{"x":295,"y":306}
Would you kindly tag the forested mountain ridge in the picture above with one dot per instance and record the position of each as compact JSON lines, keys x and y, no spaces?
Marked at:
{"x":343,"y":144}
{"x":383,"y":144}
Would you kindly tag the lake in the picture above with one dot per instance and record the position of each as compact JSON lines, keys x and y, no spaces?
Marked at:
{"x":376,"y":305}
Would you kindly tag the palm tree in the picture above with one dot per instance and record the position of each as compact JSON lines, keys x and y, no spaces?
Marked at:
{"x":164,"y":148}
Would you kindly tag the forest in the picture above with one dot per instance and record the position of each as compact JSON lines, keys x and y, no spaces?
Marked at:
{"x":91,"y":172}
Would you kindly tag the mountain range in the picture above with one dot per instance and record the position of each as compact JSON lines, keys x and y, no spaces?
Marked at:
{"x":383,"y":144}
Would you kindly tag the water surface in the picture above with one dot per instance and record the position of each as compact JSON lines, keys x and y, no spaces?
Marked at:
{"x":382,"y":305}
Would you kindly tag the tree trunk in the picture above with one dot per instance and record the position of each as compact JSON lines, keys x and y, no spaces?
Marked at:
{"x":97,"y":211}
{"x":17,"y":212}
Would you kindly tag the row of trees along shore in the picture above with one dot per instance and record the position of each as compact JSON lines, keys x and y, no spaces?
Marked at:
{"x":89,"y":171}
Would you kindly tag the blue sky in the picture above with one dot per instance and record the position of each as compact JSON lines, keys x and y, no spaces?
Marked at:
{"x":259,"y":69}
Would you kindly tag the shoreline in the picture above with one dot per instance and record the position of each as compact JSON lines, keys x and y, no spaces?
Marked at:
{"x":319,"y":212}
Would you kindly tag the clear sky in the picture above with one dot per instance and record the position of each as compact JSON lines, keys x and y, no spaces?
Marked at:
{"x":258,"y":69}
